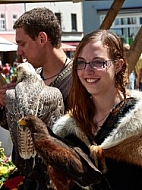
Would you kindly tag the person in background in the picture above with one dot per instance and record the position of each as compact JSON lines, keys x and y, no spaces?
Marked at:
{"x":6,"y":72}
{"x":16,"y":61}
{"x":100,"y":102}
{"x":138,"y":70}
{"x":1,"y":62}
{"x":38,"y":37}
{"x":13,"y":70}
{"x":132,"y":77}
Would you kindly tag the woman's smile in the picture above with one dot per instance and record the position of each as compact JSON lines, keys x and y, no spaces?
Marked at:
{"x":91,"y":80}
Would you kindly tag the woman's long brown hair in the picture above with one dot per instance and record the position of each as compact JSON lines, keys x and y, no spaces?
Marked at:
{"x":80,"y":101}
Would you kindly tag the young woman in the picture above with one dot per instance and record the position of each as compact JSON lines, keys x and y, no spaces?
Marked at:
{"x":103,"y":109}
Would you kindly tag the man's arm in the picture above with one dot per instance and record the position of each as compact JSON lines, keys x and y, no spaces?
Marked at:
{"x":3,"y":89}
{"x":3,"y":121}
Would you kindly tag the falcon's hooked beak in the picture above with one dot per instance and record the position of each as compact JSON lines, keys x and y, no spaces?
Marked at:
{"x":22,"y":121}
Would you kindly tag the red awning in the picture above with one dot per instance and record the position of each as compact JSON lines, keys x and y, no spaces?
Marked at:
{"x":9,"y":37}
{"x":67,"y":47}
{"x":72,"y":43}
{"x":6,"y":45}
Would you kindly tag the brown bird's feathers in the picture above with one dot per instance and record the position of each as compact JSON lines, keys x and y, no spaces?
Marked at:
{"x":64,"y":158}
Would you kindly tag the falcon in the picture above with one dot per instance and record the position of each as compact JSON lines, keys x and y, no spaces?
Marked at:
{"x":65,"y":162}
{"x":30,"y":96}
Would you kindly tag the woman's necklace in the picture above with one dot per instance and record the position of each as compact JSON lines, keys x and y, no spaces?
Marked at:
{"x":97,"y":122}
{"x":41,"y":74}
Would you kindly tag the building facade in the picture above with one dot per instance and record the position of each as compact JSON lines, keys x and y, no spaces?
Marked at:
{"x":70,"y":17}
{"x":126,"y":24}
{"x":68,"y":13}
{"x":8,"y":14}
{"x":78,"y":19}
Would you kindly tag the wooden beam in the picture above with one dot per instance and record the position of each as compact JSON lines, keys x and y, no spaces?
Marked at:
{"x":30,"y":1}
{"x":135,"y":51}
{"x":136,"y":48}
{"x":112,"y":13}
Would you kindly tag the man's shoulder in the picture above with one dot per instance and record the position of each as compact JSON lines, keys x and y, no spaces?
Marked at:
{"x":65,"y":75}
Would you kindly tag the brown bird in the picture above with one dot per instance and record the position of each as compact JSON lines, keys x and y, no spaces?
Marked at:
{"x":65,"y":162}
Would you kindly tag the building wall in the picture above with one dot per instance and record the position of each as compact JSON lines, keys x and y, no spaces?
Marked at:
{"x":9,"y":10}
{"x":88,"y":14}
{"x":66,"y":9}
{"x":93,"y":9}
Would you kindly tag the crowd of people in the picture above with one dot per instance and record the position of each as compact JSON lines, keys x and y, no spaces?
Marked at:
{"x":138,"y":74}
{"x":95,"y":94}
{"x":9,"y":71}
{"x":135,"y":77}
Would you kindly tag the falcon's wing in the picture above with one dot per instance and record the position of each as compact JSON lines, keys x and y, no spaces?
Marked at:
{"x":28,"y":95}
{"x":51,"y":106}
{"x":12,"y":114}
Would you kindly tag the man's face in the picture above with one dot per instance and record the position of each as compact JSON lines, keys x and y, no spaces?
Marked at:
{"x":27,"y":47}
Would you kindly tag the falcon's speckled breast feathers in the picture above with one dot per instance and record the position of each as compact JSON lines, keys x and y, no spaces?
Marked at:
{"x":31,"y":97}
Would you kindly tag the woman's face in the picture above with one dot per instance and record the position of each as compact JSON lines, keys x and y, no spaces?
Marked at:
{"x":97,"y":81}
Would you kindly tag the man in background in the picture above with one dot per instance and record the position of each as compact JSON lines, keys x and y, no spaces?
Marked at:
{"x":38,"y":37}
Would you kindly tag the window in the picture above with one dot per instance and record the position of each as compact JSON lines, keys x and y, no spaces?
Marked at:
{"x":73,"y":22}
{"x":132,"y":20}
{"x":126,"y":26}
{"x":2,"y":22}
{"x":128,"y":20}
{"x":58,"y":15}
{"x":14,"y":18}
{"x":140,"y":20}
{"x":117,"y":21}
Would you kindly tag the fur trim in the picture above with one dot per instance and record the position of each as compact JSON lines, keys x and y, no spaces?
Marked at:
{"x":125,"y":141}
{"x":130,"y":125}
{"x":122,"y":144}
{"x":66,"y":125}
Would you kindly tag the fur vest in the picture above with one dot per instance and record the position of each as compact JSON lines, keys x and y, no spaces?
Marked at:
{"x":123,"y":141}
